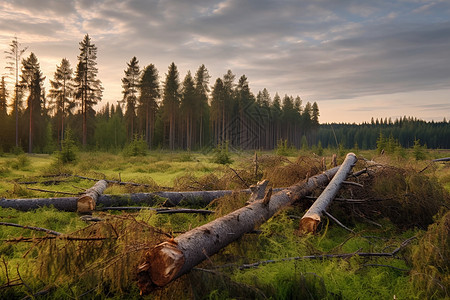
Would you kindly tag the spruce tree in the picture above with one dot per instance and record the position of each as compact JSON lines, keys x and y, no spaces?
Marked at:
{"x":61,"y":92}
{"x":88,"y":87}
{"x":3,"y":100}
{"x":32,"y":79}
{"x":149,"y":93}
{"x":171,"y":101}
{"x":130,"y":85}
{"x":218,"y":109}
{"x":189,"y":107}
{"x":201,"y":93}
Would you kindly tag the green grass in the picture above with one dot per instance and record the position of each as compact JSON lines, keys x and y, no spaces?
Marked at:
{"x":352,"y":278}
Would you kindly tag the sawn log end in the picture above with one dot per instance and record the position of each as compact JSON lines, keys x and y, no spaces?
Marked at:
{"x":161,"y":265}
{"x":309,"y":224}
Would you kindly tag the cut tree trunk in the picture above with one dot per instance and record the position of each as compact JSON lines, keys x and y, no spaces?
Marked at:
{"x":86,"y":203}
{"x":311,"y":218}
{"x":171,"y":199}
{"x":169,"y":260}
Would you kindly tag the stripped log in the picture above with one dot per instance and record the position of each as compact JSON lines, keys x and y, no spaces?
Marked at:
{"x":142,"y":199}
{"x":86,"y":203}
{"x":169,"y":260}
{"x":311,"y":218}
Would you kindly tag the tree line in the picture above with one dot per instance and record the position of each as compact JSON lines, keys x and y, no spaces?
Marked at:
{"x":173,"y":113}
{"x":404,"y":132}
{"x":191,"y":113}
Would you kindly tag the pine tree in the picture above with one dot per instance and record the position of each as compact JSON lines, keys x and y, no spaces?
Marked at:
{"x":171,"y":101}
{"x":218,"y":110}
{"x":13,"y":57}
{"x":149,"y":93}
{"x":3,"y":100}
{"x":189,"y":106}
{"x":4,"y":118}
{"x":229,"y":107}
{"x":201,"y":93}
{"x":315,"y":115}
{"x":33,"y":80}
{"x":130,"y":85}
{"x":275,"y":112}
{"x":61,"y":92}
{"x":245,"y":100}
{"x":88,"y":87}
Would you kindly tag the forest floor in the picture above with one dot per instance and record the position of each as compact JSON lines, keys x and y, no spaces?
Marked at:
{"x":408,"y":200}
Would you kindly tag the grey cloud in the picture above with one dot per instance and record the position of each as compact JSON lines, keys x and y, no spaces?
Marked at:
{"x":19,"y":26}
{"x":327,"y":49}
{"x":54,"y":7}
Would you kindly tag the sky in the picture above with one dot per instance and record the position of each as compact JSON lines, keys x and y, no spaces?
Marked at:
{"x":357,"y":59}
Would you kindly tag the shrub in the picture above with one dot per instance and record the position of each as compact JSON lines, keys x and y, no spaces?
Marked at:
{"x":68,"y":153}
{"x":137,"y":147}
{"x":17,"y":150}
{"x":284,"y":150}
{"x":222,"y":155}
{"x":430,"y":261}
{"x":20,"y":162}
{"x":418,"y":150}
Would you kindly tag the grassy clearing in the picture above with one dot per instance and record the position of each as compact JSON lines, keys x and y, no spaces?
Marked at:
{"x":105,"y":269}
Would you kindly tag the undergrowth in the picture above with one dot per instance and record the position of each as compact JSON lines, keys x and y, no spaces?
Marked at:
{"x":99,"y":260}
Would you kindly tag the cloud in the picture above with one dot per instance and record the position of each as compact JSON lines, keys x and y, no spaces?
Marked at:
{"x":323,"y":51}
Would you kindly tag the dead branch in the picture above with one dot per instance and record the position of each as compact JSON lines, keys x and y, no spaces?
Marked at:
{"x":238,"y":176}
{"x":352,"y":183}
{"x":119,"y":182}
{"x":53,"y":192}
{"x":46,"y":182}
{"x":49,"y":231}
{"x":387,"y":266}
{"x":337,"y":221}
{"x":323,"y":256}
{"x":441,"y":159}
{"x":351,"y":201}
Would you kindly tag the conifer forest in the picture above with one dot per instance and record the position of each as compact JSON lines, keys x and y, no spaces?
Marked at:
{"x":191,"y":187}
{"x":170,"y":112}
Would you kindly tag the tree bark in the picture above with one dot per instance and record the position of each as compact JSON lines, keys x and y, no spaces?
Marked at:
{"x":169,"y":260}
{"x":172,"y":199}
{"x":86,"y":203}
{"x":312,"y":217}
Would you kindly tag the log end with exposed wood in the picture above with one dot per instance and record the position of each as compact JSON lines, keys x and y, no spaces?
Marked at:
{"x":309,"y":224}
{"x":311,"y":219}
{"x":86,"y":203}
{"x":161,"y":264}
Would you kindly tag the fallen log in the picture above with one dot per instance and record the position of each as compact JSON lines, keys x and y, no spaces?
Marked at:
{"x":143,"y":199}
{"x":170,"y":260}
{"x":312,"y":217}
{"x":161,"y":210}
{"x":86,"y":203}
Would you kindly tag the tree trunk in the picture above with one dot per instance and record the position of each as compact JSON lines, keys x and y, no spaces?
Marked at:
{"x":86,"y":202}
{"x":70,"y":203}
{"x":312,"y":217}
{"x":169,"y":260}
